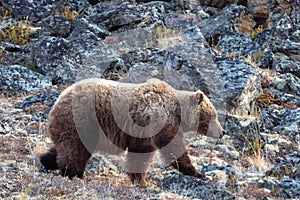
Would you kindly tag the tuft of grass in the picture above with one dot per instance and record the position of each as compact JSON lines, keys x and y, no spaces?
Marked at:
{"x":1,"y":51}
{"x":17,"y":33}
{"x":69,"y":14}
{"x":256,"y":31}
{"x":168,"y":36}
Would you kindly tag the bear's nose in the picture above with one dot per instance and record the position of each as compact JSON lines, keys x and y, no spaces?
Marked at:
{"x":223,"y":133}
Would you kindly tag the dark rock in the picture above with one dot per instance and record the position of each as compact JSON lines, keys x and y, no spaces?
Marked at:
{"x":286,"y":121}
{"x":195,"y":188}
{"x":217,"y":4}
{"x":232,"y":18}
{"x":281,"y":21}
{"x":260,"y":10}
{"x":48,"y":99}
{"x":272,"y":118}
{"x":271,"y":39}
{"x":125,"y":16}
{"x":15,"y":54}
{"x":283,"y":169}
{"x":56,"y":26}
{"x":290,"y":124}
{"x":291,"y":188}
{"x":35,"y":10}
{"x":17,"y":78}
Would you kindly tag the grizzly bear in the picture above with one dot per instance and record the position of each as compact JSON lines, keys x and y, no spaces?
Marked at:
{"x":97,"y":115}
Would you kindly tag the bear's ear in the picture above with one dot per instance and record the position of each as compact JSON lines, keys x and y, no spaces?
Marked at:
{"x":197,"y":98}
{"x":200,"y":96}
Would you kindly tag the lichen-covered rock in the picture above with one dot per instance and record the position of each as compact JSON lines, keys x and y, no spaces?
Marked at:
{"x":34,"y":10}
{"x":56,"y":26}
{"x":16,"y":78}
{"x":236,"y":43}
{"x":289,"y":83}
{"x":283,"y":64}
{"x":48,"y":53}
{"x":195,"y":188}
{"x":231,"y":18}
{"x":89,"y":57}
{"x":241,"y":84}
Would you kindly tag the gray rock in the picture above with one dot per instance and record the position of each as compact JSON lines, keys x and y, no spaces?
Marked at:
{"x":231,"y":18}
{"x":89,"y":57}
{"x":17,"y":78}
{"x":296,"y":174}
{"x":229,"y":170}
{"x":284,"y":64}
{"x":56,"y":26}
{"x":35,"y":10}
{"x":241,"y":84}
{"x":48,"y":53}
{"x":236,"y":43}
{"x":84,"y":23}
{"x":126,"y":15}
{"x":291,"y":188}
{"x":290,"y":123}
{"x":179,"y":66}
{"x":279,"y":41}
{"x":289,"y":83}
{"x":195,"y":188}
{"x":286,"y":121}
{"x":295,"y":16}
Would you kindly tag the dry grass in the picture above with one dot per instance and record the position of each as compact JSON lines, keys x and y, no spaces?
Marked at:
{"x":69,"y":14}
{"x":168,"y":37}
{"x":17,"y":33}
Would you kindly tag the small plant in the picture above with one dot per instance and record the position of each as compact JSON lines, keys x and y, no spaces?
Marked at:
{"x":69,"y":14}
{"x":165,"y":32}
{"x":1,"y":51}
{"x":255,"y":146}
{"x":17,"y":33}
{"x":256,"y":31}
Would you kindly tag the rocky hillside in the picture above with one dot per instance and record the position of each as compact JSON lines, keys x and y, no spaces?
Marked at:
{"x":245,"y":55}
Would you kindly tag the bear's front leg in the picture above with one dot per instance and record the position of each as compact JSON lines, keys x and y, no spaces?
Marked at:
{"x":137,"y":163}
{"x":174,"y":152}
{"x":184,"y":165}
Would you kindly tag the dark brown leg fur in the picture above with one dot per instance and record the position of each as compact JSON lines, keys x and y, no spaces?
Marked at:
{"x":72,"y":159}
{"x":175,"y":153}
{"x":138,"y":162}
{"x":48,"y":160}
{"x":184,"y":165}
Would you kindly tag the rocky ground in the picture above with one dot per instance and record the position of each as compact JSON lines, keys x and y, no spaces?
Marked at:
{"x":245,"y":55}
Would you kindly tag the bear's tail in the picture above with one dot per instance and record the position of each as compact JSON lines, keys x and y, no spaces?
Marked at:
{"x":48,"y":159}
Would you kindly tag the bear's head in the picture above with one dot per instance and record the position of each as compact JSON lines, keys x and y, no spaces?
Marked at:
{"x":208,"y":123}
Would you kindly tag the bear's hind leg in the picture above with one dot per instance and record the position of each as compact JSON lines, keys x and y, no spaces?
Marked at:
{"x":72,"y":159}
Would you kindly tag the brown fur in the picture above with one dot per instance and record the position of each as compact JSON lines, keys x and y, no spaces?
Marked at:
{"x":85,"y":112}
